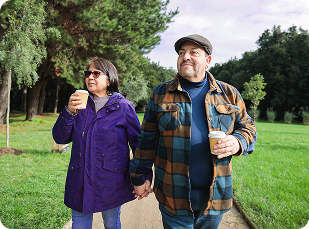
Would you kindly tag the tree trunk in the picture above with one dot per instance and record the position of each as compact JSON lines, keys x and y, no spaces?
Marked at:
{"x":42,"y":99}
{"x":32,"y":102}
{"x":24,"y":99}
{"x":8,"y":109}
{"x":33,"y":99}
{"x":3,"y":95}
{"x":57,"y":95}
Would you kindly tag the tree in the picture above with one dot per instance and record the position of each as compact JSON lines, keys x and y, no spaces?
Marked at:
{"x":22,"y":48}
{"x":254,"y":91}
{"x":155,"y":75}
{"x":282,"y":59}
{"x":120,"y":31}
{"x":139,"y":87}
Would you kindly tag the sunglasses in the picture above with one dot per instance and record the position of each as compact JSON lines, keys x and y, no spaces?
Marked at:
{"x":95,"y":74}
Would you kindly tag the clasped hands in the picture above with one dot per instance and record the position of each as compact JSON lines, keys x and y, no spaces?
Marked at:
{"x":142,"y":190}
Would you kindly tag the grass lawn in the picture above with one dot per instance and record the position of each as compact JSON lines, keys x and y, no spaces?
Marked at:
{"x":32,"y":184}
{"x":271,"y":184}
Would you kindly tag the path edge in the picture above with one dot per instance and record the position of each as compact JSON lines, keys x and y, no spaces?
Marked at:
{"x":243,"y":213}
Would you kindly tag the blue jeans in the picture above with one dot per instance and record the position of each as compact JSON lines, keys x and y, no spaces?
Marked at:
{"x":198,"y":198}
{"x":111,"y":219}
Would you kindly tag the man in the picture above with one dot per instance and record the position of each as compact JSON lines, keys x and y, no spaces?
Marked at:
{"x":193,"y":186}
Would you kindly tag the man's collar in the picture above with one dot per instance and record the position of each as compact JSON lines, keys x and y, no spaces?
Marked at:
{"x":212,"y":83}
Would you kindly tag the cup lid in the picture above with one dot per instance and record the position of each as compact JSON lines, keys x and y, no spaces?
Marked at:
{"x":82,"y":91}
{"x":216,"y":134}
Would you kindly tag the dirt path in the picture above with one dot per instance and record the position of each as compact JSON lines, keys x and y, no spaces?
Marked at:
{"x":145,"y":214}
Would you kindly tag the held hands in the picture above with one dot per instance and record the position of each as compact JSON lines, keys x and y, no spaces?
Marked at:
{"x":143,"y":190}
{"x":226,"y":146}
{"x":73,"y":102}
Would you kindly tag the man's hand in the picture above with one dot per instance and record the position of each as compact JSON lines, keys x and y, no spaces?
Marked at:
{"x":226,"y":146}
{"x":143,"y":190}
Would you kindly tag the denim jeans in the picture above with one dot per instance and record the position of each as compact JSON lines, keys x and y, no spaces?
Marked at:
{"x":198,"y":198}
{"x":111,"y":219}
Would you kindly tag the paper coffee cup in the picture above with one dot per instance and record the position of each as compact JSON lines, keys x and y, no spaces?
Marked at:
{"x":214,"y":136}
{"x":83,"y":94}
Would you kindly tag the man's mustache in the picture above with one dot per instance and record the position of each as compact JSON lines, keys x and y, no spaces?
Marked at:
{"x":187,"y":62}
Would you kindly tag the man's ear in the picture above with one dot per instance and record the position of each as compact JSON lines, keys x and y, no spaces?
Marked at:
{"x":208,"y":59}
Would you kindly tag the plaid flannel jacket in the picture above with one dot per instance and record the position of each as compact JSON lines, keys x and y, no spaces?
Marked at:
{"x":165,"y":140}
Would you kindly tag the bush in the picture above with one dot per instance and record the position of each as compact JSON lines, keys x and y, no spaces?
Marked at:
{"x":288,"y":117}
{"x":271,"y":115}
{"x":305,"y":115}
{"x":257,"y":114}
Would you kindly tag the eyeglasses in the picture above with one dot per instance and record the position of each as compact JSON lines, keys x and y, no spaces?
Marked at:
{"x":95,"y":74}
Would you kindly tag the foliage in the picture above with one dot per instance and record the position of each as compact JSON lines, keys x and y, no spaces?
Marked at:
{"x":22,"y":48}
{"x":155,"y":75}
{"x":120,"y":31}
{"x":253,"y":91}
{"x":271,"y":116}
{"x":136,"y":90}
{"x":288,"y":117}
{"x":254,"y":114}
{"x":281,"y":58}
{"x":271,"y":184}
{"x":305,"y":115}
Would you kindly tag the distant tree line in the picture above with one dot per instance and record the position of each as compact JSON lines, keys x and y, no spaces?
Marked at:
{"x":45,"y":46}
{"x":282,"y":58}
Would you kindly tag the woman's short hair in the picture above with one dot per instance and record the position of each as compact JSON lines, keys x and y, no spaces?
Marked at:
{"x":109,"y":69}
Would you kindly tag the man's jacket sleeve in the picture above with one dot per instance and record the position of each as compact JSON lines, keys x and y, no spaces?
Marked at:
{"x":244,"y":128}
{"x":141,"y":165}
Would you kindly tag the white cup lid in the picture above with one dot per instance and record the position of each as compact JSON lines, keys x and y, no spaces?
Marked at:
{"x":216,"y":134}
{"x":82,"y":91}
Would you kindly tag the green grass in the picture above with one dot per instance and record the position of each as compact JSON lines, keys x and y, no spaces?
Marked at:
{"x":140,"y":117}
{"x":271,"y":185}
{"x":32,"y":184}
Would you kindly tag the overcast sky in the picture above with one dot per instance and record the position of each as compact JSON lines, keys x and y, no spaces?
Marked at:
{"x":232,"y":27}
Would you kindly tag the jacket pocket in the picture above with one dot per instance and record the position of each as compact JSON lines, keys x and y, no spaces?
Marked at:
{"x":168,"y":116}
{"x":115,"y":167}
{"x":226,"y":117}
{"x":115,"y":162}
{"x":74,"y":181}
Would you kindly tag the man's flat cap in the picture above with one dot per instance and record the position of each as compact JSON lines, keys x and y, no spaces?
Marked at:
{"x":198,"y":39}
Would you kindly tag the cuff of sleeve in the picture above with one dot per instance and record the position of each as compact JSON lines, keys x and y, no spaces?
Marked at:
{"x":140,"y":180}
{"x":241,"y":149}
{"x":66,"y":107}
{"x":149,"y":176}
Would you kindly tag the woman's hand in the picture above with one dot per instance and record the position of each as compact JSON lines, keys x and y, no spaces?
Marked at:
{"x":73,"y":102}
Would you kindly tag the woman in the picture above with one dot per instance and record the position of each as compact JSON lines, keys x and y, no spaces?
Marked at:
{"x":98,"y":176}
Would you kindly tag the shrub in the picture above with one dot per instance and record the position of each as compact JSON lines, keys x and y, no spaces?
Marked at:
{"x":305,"y":115}
{"x":271,"y":115}
{"x":257,"y":114}
{"x":288,"y":117}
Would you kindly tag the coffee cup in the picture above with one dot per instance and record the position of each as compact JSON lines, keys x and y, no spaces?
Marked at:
{"x":83,"y":94}
{"x":214,"y":136}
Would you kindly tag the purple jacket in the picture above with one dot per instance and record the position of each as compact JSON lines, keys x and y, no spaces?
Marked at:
{"x":98,"y":175}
